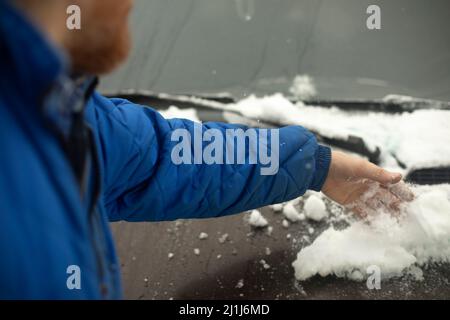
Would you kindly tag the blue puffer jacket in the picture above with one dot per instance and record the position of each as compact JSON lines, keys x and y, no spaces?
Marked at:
{"x":47,"y":223}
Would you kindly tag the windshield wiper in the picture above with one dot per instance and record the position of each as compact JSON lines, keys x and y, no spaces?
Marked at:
{"x":390,"y":104}
{"x":214,"y":108}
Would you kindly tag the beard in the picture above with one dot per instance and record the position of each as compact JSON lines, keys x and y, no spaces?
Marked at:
{"x":102,"y":44}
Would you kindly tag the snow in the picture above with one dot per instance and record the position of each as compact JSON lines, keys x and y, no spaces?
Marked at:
{"x":399,"y":134}
{"x":413,"y":137}
{"x":265,"y":265}
{"x":291,"y":213}
{"x":285,"y":223}
{"x":223,"y":238}
{"x":395,"y":98}
{"x":398,"y":247}
{"x":176,"y":113}
{"x":421,"y":235}
{"x":240,"y":284}
{"x":197,"y":251}
{"x":257,"y":220}
{"x":203,"y":236}
{"x":279,"y":110}
{"x":303,"y":87}
{"x":412,"y":103}
{"x":170,"y":256}
{"x":277,"y":207}
{"x":315,"y":208}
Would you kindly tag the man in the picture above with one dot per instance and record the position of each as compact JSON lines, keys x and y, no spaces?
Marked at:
{"x":72,"y":161}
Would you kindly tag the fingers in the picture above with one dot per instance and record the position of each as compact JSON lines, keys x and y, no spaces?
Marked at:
{"x":385,"y":201}
{"x":378,"y":198}
{"x":381,"y":201}
{"x":370,"y":171}
{"x":402,"y":191}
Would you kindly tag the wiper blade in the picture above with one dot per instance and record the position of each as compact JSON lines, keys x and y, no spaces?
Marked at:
{"x":216,"y":109}
{"x":390,"y":104}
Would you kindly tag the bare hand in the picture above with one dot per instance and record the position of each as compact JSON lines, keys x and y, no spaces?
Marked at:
{"x":364,"y":187}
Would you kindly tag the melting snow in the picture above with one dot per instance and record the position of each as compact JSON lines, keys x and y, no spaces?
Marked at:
{"x":315,"y":208}
{"x":291,"y":213}
{"x":410,"y":136}
{"x":421,"y":235}
{"x":257,"y":220}
{"x":177,"y":113}
{"x":303,"y":87}
{"x":203,"y":236}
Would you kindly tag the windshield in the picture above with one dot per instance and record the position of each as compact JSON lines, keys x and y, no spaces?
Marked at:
{"x":244,"y":47}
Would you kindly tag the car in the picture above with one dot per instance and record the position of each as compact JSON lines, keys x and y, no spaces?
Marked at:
{"x":270,"y":64}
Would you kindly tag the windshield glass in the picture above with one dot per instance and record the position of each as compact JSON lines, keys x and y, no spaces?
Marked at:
{"x":244,"y":47}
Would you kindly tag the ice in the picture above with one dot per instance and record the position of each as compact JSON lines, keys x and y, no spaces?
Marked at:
{"x":397,"y":245}
{"x":257,"y":220}
{"x":315,"y":208}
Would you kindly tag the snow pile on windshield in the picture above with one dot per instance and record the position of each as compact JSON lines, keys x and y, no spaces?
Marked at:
{"x":417,"y":139}
{"x":177,"y":113}
{"x":277,"y":109}
{"x":395,"y":245}
{"x":303,"y":87}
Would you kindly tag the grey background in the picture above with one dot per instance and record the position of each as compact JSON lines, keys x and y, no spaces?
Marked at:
{"x":208,"y":46}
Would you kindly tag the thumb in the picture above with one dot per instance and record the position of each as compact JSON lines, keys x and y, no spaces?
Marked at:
{"x":370,"y":171}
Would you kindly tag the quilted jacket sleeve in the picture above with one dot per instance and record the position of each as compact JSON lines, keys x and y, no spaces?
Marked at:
{"x":141,"y":182}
